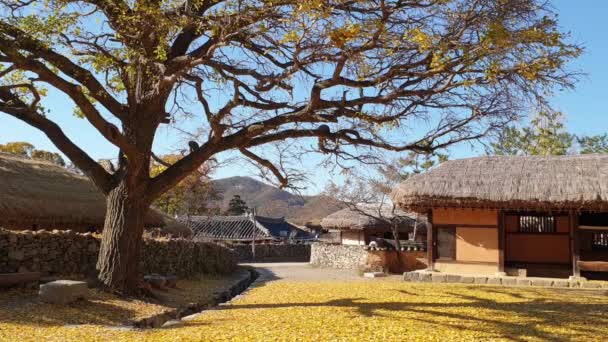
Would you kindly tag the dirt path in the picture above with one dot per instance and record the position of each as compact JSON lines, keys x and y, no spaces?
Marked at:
{"x":302,"y":271}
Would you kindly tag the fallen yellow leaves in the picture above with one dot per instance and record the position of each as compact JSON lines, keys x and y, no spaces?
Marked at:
{"x":363,"y":310}
{"x":23,"y":315}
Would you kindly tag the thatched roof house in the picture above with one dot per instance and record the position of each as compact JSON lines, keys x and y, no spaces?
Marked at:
{"x":543,"y":216}
{"x":361,"y":223}
{"x":243,"y":228}
{"x":36,"y":194}
{"x":539,"y":183}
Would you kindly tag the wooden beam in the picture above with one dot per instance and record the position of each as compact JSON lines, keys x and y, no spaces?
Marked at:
{"x":501,"y":241}
{"x":594,"y":266}
{"x":574,"y":243}
{"x":14,"y":279}
{"x":430,"y":242}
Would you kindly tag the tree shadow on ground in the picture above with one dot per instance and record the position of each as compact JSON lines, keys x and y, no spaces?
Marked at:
{"x":31,"y":311}
{"x":536,"y":318}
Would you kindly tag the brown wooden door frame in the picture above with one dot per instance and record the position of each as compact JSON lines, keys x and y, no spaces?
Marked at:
{"x":431,"y":253}
{"x":502,"y":241}
{"x":574,"y":242}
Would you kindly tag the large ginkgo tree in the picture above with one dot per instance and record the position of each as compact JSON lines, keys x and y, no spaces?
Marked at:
{"x":350,"y":75}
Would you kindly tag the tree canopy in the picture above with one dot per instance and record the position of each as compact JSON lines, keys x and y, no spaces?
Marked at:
{"x":283,"y":69}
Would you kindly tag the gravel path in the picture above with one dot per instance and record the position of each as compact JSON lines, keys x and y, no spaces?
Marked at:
{"x":302,"y":271}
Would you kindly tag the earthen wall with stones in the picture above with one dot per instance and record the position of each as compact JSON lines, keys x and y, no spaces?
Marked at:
{"x":68,"y":253}
{"x":365,"y":259}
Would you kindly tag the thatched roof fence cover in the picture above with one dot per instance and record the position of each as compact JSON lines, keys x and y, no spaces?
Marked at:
{"x":42,"y":193}
{"x":371,"y":216}
{"x":510,"y":182}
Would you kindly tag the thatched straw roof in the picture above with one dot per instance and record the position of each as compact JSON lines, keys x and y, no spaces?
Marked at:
{"x":45,"y":194}
{"x":368,"y":216}
{"x":511,"y":182}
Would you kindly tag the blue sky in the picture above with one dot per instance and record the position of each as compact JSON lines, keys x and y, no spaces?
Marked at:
{"x":584,"y":107}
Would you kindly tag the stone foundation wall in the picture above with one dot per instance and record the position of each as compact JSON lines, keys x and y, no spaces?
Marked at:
{"x":360,"y":258}
{"x":68,"y":253}
{"x":272,"y":252}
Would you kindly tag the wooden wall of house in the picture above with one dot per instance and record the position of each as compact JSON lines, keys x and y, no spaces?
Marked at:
{"x":477,"y":244}
{"x":465,"y":217}
{"x":352,"y":237}
{"x":476,"y":240}
{"x":552,"y":248}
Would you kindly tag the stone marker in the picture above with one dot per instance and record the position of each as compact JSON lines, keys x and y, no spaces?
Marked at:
{"x":63,"y":291}
{"x":373,"y":274}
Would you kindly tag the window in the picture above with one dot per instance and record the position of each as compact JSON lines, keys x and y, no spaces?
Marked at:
{"x":446,"y":243}
{"x":537,"y":224}
{"x":600,"y":240}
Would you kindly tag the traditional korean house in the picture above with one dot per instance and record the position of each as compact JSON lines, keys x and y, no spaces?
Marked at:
{"x":363,"y":224}
{"x":38,"y":195}
{"x":534,"y":216}
{"x":244,"y":229}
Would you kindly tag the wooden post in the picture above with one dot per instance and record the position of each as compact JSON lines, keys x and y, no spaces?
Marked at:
{"x":430,"y":242}
{"x":575,"y":245}
{"x":501,"y":241}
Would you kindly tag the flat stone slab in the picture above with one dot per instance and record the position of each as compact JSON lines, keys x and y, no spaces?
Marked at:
{"x":374,"y":274}
{"x":63,"y":291}
{"x":437,"y":277}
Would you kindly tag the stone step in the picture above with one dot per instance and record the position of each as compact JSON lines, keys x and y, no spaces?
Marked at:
{"x":437,"y":277}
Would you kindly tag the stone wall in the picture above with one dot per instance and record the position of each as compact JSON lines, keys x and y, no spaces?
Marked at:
{"x":360,"y":258}
{"x":338,"y":256}
{"x":273,"y":252}
{"x":68,"y":253}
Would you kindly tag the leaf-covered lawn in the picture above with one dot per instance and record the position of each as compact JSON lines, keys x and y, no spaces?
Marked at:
{"x":381,"y":310}
{"x":23,"y":315}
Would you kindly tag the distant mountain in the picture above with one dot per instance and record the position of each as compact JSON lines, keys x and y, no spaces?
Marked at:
{"x":272,"y":201}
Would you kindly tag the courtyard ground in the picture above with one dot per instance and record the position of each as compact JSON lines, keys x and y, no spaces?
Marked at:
{"x":299,"y":302}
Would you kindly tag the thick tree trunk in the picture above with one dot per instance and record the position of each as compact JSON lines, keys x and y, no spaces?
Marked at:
{"x":121,"y":240}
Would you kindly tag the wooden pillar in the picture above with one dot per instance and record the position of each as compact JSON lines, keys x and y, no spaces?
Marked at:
{"x":430,"y":242}
{"x":501,"y":241}
{"x":574,"y":242}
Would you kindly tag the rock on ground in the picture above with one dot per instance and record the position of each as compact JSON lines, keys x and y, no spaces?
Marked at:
{"x":63,"y":291}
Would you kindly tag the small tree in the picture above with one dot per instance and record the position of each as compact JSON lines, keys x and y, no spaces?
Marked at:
{"x":546,"y":135}
{"x":236,"y":206}
{"x":353,"y":75}
{"x":368,"y":194}
{"x":26,"y":149}
{"x":593,"y":144}
{"x":192,"y":196}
